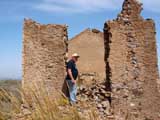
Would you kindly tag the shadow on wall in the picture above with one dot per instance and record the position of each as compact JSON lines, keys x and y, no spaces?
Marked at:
{"x":107,"y":41}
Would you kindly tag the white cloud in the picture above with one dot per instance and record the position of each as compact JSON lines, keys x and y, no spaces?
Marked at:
{"x":78,"y":6}
{"x":89,"y":6}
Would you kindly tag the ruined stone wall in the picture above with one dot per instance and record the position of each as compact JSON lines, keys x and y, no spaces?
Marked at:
{"x":89,"y":44}
{"x":131,"y":64}
{"x":44,"y":48}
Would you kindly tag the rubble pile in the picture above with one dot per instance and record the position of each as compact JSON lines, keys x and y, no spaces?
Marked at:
{"x":97,"y":96}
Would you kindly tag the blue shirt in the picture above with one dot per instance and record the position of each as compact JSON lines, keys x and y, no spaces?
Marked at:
{"x":71,"y":65}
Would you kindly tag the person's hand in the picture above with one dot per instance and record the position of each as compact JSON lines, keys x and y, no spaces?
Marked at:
{"x":74,"y":81}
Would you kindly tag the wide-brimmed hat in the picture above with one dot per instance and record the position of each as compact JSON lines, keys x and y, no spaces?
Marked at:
{"x":75,"y":55}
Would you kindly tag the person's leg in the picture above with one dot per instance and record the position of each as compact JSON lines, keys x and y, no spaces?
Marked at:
{"x":72,"y":91}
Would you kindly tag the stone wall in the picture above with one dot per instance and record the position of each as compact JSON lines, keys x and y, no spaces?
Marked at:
{"x":131,"y":64}
{"x":89,"y":44}
{"x":44,"y":48}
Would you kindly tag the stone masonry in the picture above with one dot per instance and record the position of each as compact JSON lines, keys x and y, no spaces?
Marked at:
{"x":44,"y":49}
{"x":131,"y":64}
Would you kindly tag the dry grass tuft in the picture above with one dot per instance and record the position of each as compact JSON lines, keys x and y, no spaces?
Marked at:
{"x":42,"y":108}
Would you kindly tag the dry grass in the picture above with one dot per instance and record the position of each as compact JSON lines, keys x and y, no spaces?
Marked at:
{"x":9,"y":104}
{"x":43,"y":107}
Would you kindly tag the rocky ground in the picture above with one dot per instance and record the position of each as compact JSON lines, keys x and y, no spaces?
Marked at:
{"x":95,"y":97}
{"x":93,"y":101}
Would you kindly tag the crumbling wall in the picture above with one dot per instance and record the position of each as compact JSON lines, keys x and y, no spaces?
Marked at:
{"x":44,"y":48}
{"x":131,"y":64}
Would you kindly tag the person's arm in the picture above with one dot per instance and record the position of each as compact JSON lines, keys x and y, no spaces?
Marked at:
{"x":71,"y":76}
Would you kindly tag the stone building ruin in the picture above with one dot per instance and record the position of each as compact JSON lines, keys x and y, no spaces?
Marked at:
{"x":130,"y":68}
{"x":131,"y":64}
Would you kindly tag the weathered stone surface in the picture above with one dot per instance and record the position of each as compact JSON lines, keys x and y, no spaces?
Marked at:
{"x":44,"y":48}
{"x":131,"y":64}
{"x":90,"y":45}
{"x":97,"y":97}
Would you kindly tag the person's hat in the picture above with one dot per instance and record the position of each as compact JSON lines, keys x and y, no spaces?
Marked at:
{"x":75,"y":55}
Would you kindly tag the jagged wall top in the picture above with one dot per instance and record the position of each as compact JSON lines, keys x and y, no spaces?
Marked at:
{"x":131,"y":10}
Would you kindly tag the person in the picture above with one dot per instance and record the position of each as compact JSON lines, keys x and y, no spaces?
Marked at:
{"x":72,"y":74}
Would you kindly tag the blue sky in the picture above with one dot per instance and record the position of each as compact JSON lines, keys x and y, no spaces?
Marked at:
{"x":77,"y":14}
